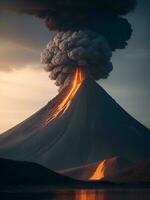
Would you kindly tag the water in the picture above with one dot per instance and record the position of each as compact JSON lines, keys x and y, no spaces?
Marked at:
{"x":81,"y":194}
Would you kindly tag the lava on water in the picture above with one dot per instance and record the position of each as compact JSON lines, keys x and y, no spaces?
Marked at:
{"x":75,"y":83}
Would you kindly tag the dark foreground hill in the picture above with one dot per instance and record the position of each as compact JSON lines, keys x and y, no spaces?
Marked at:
{"x":29,"y":175}
{"x":25,"y":173}
{"x":98,"y":170}
{"x":17,"y":173}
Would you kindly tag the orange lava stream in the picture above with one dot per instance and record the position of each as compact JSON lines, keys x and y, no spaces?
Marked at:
{"x":62,"y":107}
{"x":99,"y":172}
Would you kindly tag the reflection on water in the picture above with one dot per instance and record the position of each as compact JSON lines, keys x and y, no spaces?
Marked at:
{"x":105,"y":195}
{"x":89,"y":195}
{"x":82,"y":194}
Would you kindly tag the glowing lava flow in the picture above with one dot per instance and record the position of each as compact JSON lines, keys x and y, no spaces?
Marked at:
{"x":64,"y":104}
{"x":99,"y":172}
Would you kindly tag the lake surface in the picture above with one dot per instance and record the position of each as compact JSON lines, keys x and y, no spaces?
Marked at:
{"x":80,"y":194}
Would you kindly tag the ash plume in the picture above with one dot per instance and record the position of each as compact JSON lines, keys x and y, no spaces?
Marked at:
{"x":88,"y":32}
{"x":67,"y":50}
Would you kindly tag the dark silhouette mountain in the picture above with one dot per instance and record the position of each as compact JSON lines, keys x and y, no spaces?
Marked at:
{"x":93,"y":128}
{"x":25,"y":173}
{"x":98,"y":170}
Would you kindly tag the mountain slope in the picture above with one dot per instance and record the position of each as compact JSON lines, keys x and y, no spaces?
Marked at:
{"x":93,"y":128}
{"x":98,"y":170}
{"x":138,"y":173}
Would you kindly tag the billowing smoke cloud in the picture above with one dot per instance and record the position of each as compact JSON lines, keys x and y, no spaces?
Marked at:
{"x":67,"y":50}
{"x":89,"y":30}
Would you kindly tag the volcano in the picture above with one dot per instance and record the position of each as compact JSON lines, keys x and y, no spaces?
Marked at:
{"x":90,"y":126}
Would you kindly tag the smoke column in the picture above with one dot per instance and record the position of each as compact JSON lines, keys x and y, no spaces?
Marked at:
{"x":69,"y":50}
{"x":88,"y":32}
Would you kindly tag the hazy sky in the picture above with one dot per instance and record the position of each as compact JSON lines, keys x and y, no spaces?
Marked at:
{"x":25,"y":87}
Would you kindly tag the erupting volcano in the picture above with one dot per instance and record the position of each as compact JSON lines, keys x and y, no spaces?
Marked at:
{"x":92,"y":128}
{"x":82,"y":124}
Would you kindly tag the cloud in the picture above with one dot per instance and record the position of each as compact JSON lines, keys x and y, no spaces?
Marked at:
{"x":25,"y":30}
{"x":14,"y":55}
{"x":21,"y":40}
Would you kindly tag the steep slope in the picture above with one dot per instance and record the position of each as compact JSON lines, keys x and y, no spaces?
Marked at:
{"x":25,"y":173}
{"x":93,"y":128}
{"x":98,"y":170}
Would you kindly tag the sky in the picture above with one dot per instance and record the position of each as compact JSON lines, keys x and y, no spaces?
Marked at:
{"x":25,"y":86}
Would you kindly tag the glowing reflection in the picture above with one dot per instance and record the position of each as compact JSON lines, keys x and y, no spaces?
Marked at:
{"x":88,"y":195}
